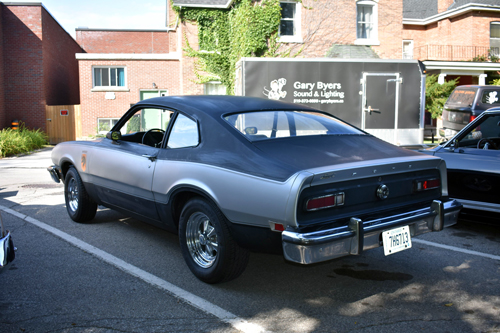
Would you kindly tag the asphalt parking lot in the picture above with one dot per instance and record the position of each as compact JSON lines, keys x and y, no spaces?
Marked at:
{"x":119,"y":274}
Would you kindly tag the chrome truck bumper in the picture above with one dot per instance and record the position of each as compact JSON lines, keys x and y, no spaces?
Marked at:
{"x":54,"y":173}
{"x":358,"y":236}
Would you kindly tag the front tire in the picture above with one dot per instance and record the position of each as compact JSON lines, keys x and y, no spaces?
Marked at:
{"x":207,"y":246}
{"x":80,"y":207}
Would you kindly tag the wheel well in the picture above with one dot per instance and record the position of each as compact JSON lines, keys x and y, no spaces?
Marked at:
{"x":65,"y":167}
{"x":180,"y":199}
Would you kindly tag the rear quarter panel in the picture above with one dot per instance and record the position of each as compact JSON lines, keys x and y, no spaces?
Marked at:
{"x":244,"y":199}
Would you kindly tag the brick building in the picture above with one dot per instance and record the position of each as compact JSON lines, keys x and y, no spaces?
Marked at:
{"x":121,"y":67}
{"x":37,"y":64}
{"x":447,"y":35}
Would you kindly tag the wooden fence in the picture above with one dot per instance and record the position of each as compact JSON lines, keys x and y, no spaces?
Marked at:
{"x":64,"y":122}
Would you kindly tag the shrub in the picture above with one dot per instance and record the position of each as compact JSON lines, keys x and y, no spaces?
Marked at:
{"x":436,"y":94}
{"x":23,"y":140}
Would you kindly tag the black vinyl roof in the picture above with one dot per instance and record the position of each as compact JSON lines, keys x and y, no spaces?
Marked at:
{"x":218,"y":105}
{"x":223,"y":146}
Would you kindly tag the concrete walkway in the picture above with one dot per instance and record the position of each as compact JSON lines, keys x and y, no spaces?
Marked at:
{"x":35,"y":166}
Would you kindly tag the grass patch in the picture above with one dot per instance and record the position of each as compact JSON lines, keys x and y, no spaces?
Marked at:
{"x":23,"y":140}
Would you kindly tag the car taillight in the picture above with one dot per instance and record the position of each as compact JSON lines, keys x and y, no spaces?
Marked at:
{"x":424,"y":185}
{"x":325,"y":201}
{"x":472,"y":118}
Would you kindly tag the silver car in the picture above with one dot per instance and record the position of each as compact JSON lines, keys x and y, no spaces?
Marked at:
{"x":473,"y":160}
{"x":237,"y":174}
{"x":7,"y":249}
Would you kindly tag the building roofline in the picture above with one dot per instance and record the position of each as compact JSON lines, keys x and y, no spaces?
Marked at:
{"x":451,"y":13}
{"x":227,"y":5}
{"x":128,"y":56}
{"x":112,"y":29}
{"x":6,"y":3}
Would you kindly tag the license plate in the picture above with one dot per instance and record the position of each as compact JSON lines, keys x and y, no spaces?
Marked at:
{"x":396,"y":240}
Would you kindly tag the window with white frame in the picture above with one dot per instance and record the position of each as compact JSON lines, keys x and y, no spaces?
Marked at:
{"x":215,"y":88}
{"x":108,"y":76}
{"x":495,"y":38}
{"x":289,"y":30}
{"x":367,"y":22}
{"x":104,"y":125}
{"x":407,"y":49}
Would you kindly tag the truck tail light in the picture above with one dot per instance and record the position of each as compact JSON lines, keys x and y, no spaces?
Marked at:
{"x":468,"y":119}
{"x":325,"y":201}
{"x":424,"y":185}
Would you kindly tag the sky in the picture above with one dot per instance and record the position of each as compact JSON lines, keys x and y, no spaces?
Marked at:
{"x":105,"y":14}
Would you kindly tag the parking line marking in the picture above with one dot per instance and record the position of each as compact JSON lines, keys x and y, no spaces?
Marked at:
{"x":198,"y":302}
{"x":457,"y":249}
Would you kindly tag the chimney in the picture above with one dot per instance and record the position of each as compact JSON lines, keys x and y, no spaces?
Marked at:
{"x":444,"y":4}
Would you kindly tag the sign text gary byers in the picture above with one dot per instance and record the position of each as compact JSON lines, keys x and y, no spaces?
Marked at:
{"x":318,"y":92}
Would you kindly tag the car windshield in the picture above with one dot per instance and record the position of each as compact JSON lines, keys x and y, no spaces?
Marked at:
{"x":281,"y":124}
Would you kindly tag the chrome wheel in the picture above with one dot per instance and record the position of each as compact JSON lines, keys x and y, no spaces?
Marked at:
{"x":73,"y":194}
{"x":201,"y":240}
{"x":80,"y":206}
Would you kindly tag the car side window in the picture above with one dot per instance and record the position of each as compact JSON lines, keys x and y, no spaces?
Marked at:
{"x":147,"y":119}
{"x":486,"y":131}
{"x":184,"y":133}
{"x":146,"y":126}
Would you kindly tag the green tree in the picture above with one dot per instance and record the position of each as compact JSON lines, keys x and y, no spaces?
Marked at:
{"x":495,"y":82}
{"x":436,"y":94}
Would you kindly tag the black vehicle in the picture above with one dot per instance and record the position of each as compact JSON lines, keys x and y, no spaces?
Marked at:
{"x":472,"y":159}
{"x":464,"y":105}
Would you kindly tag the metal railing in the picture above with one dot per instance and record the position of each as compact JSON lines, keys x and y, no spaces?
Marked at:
{"x":452,"y":52}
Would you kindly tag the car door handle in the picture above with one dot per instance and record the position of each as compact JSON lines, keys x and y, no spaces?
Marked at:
{"x":152,"y":158}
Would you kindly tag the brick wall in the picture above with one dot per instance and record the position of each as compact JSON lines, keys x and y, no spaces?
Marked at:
{"x":122,"y":41}
{"x":140,"y":75}
{"x":325,"y":23}
{"x":188,"y":78}
{"x":390,"y":29}
{"x":60,"y":67}
{"x":38,"y":67}
{"x":23,"y":65}
{"x":469,"y":33}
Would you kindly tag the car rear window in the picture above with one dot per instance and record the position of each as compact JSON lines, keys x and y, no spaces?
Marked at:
{"x":462,"y":97}
{"x":281,"y":124}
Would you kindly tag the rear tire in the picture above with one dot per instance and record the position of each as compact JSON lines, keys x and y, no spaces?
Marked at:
{"x":80,"y":207}
{"x":207,"y":246}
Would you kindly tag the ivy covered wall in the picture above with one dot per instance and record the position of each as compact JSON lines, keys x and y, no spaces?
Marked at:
{"x":247,"y":29}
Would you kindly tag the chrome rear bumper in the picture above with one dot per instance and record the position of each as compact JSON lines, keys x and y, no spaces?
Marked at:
{"x":358,"y":236}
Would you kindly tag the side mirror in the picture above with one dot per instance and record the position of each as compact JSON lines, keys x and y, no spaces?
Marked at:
{"x":114,"y":135}
{"x":455,"y":144}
